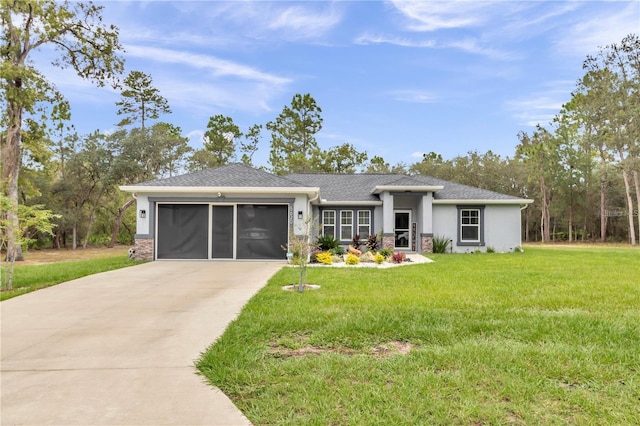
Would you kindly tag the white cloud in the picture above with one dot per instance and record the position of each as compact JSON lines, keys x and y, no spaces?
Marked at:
{"x":366,"y":39}
{"x":195,"y":138}
{"x":206,"y":97}
{"x":470,"y":45}
{"x":216,"y":66}
{"x":609,"y":24}
{"x":304,"y":22}
{"x":527,"y":21}
{"x":223,"y":24}
{"x":417,"y":154}
{"x":413,"y":96}
{"x":266,"y":20}
{"x":542,"y":106}
{"x":436,"y":15}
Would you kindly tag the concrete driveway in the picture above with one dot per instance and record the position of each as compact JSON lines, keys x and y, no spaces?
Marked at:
{"x":118,"y":348}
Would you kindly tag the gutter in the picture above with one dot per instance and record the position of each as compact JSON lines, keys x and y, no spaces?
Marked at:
{"x":223,"y":189}
{"x":350,"y":203}
{"x":518,"y":201}
{"x":404,"y":188}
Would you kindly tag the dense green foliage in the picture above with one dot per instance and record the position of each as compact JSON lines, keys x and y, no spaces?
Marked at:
{"x":327,"y":242}
{"x":84,"y":45}
{"x":548,"y":336}
{"x":29,"y":278}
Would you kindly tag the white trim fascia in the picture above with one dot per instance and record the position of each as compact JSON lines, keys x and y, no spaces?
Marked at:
{"x":222,"y":189}
{"x":404,"y":188}
{"x":326,"y":203}
{"x":518,"y":201}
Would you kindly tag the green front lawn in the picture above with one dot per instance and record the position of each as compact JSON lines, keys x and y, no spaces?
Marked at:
{"x":549,"y":336}
{"x":28,"y":278}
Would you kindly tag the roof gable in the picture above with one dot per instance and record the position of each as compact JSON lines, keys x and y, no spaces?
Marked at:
{"x":345,"y":187}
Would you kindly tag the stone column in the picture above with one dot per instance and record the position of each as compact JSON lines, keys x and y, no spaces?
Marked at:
{"x":426,"y":243}
{"x":388,"y":241}
{"x":144,"y":248}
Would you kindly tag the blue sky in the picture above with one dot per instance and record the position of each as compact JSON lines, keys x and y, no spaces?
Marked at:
{"x":395,"y":79}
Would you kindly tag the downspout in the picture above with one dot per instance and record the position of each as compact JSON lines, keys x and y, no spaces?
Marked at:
{"x":310,"y":207}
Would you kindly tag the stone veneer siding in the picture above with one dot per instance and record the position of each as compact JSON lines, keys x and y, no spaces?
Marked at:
{"x":144,"y":248}
{"x":388,"y":241}
{"x":426,"y":243}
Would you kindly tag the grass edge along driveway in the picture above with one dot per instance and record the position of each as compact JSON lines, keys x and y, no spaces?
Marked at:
{"x":546,"y":336}
{"x":28,"y":278}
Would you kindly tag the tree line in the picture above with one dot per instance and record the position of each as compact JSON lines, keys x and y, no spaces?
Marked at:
{"x":581,"y":169}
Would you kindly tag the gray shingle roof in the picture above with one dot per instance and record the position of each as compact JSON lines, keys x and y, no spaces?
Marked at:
{"x":333,"y":187}
{"x":359,"y":187}
{"x":458,"y":191}
{"x":230,"y":175}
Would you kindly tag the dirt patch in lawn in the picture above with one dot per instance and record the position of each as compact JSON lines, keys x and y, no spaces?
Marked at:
{"x":392,"y":348}
{"x":383,"y":351}
{"x":39,"y":257}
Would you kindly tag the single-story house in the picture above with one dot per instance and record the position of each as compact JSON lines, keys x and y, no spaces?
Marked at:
{"x":239,"y":212}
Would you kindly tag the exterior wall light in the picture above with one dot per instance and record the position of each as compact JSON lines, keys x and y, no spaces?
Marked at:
{"x":299,"y":214}
{"x":143,"y":214}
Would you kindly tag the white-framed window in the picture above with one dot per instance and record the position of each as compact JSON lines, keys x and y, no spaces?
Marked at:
{"x":364,"y":224}
{"x":329,"y":222}
{"x":470,"y":225}
{"x":346,"y":225}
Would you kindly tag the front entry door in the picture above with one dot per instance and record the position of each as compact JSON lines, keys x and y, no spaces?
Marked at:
{"x":402,"y":229}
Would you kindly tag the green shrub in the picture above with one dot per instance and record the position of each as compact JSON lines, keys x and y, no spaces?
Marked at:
{"x":386,"y":252}
{"x":352,"y":259}
{"x":99,"y":240}
{"x":440,"y":243}
{"x":491,"y":249}
{"x":327,"y":242}
{"x":338,"y":251}
{"x":324,"y":257}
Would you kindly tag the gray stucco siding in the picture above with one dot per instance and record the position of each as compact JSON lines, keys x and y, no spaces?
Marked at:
{"x":501,"y":227}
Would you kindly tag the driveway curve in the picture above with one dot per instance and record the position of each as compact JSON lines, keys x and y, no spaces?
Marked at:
{"x":118,"y":348}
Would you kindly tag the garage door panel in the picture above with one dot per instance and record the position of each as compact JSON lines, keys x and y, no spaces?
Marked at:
{"x":182,"y":231}
{"x":222,"y":232}
{"x":261,"y":231}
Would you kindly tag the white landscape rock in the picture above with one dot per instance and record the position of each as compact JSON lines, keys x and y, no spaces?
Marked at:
{"x":413,"y":259}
